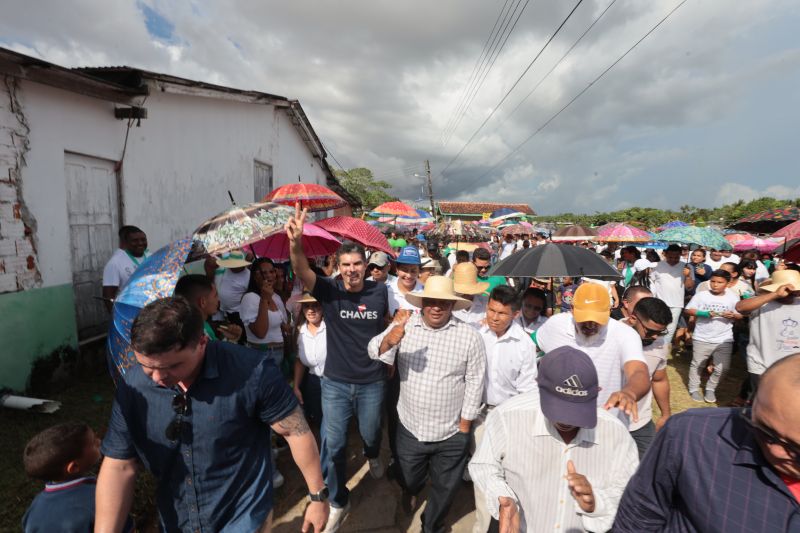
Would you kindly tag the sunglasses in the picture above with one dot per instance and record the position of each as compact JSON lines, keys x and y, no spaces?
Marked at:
{"x":651,"y":332}
{"x":180,"y":404}
{"x":768,"y":436}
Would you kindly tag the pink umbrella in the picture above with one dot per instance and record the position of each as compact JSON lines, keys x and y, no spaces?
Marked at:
{"x":755,"y":243}
{"x":316,"y":243}
{"x":619,"y":232}
{"x":736,"y":238}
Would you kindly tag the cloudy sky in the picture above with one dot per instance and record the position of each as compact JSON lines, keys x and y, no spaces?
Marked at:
{"x":704,"y":111}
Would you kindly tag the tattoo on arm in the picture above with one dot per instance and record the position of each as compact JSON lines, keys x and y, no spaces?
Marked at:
{"x":295,"y":423}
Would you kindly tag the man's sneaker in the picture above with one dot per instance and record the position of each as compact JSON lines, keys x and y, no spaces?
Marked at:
{"x":696,"y":396}
{"x":277,"y":479}
{"x":711,"y":396}
{"x":336,"y":517}
{"x":376,"y":468}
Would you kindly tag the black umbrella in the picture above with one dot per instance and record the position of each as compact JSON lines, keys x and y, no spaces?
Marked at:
{"x":555,"y":261}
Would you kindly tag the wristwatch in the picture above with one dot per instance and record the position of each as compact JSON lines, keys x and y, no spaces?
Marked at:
{"x":320,"y":496}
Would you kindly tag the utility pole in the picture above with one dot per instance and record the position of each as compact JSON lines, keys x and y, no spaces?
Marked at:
{"x":430,"y":189}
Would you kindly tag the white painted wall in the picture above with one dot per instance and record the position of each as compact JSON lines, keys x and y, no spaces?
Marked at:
{"x":178,"y":165}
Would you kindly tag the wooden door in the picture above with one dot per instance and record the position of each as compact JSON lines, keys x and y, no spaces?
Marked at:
{"x":93,"y":207}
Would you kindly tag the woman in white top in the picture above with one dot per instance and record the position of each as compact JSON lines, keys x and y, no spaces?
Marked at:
{"x":262,"y":311}
{"x":311,"y":354}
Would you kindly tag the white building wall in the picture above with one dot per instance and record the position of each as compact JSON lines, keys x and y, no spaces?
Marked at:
{"x":178,"y":166}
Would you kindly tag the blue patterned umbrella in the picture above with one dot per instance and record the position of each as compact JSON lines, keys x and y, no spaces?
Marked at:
{"x":707,"y":237}
{"x":155,"y":278}
{"x":673,"y":224}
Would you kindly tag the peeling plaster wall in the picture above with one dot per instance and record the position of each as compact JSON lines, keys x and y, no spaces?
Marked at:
{"x":19,"y":268}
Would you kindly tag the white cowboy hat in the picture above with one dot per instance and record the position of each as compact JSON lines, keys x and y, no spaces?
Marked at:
{"x":438,"y":288}
{"x":781,"y":277}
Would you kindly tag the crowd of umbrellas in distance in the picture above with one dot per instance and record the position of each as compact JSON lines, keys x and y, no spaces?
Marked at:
{"x":259,"y":228}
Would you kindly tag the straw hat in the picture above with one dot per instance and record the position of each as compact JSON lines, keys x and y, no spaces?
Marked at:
{"x":306,"y":299}
{"x":234,"y":259}
{"x":438,"y":288}
{"x":465,"y":279}
{"x":781,"y":277}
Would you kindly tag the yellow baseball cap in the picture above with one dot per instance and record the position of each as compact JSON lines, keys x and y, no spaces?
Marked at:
{"x":591,"y":303}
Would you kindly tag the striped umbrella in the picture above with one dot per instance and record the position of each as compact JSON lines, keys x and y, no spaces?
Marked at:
{"x":574,"y":233}
{"x":395,"y":209}
{"x":310,"y":196}
{"x":619,"y":232}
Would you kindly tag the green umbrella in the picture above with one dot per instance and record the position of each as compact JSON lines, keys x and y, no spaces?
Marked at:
{"x":706,"y":237}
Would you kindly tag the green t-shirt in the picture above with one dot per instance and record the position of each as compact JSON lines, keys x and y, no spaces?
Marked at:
{"x":397,"y":243}
{"x":494,"y":281}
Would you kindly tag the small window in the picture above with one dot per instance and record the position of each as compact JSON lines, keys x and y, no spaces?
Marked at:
{"x":262,"y":179}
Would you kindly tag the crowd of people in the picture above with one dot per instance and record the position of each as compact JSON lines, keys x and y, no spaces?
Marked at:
{"x":538,"y":391}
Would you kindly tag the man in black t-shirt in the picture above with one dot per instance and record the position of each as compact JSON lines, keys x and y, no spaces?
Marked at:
{"x":355,"y":311}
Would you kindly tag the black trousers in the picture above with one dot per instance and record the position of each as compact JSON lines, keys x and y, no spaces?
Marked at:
{"x":442,"y":461}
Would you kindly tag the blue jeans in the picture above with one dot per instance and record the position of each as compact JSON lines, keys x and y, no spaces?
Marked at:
{"x":340,"y":403}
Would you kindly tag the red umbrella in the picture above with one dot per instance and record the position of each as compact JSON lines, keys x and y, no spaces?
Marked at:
{"x":356,"y":230}
{"x":792,"y":231}
{"x":396,"y":209}
{"x":316,"y":243}
{"x":309,"y":195}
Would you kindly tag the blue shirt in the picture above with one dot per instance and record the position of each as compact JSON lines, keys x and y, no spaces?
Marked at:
{"x":352,"y":319}
{"x":66,"y":507}
{"x":217,"y":476}
{"x":705,"y":472}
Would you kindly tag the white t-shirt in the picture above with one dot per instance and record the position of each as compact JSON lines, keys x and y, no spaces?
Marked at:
{"x":612,"y":347}
{"x":231,"y":286}
{"x":716,"y":329}
{"x":715,"y":264}
{"x":774,"y":334}
{"x":761,"y":272}
{"x":666,"y":282}
{"x":312,"y":350}
{"x":507,"y":248}
{"x":248,"y":312}
{"x":120,"y":268}
{"x":397,"y":300}
{"x":655,"y":355}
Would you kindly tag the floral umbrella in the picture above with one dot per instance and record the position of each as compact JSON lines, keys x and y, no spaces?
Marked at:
{"x":316,"y":243}
{"x":239,"y":226}
{"x":768,"y":221}
{"x":155,"y":278}
{"x":310,"y":196}
{"x":619,"y":232}
{"x":700,"y":236}
{"x":356,"y":230}
{"x":395,"y":209}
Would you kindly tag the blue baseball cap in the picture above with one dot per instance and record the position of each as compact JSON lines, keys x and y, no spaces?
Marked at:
{"x":568,"y":387}
{"x":409,"y":255}
{"x":421,"y":237}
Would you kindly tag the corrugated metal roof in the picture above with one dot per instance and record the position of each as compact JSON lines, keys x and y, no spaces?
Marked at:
{"x":478,"y":208}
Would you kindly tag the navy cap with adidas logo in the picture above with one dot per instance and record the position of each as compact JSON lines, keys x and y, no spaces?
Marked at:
{"x":568,"y":387}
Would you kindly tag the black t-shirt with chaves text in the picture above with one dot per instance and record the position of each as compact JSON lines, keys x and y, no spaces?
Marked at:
{"x":352,"y":319}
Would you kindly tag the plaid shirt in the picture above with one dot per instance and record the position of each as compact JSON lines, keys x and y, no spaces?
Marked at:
{"x":441,"y":376}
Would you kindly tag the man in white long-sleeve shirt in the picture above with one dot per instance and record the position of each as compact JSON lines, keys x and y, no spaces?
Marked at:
{"x":553,"y":461}
{"x":510,"y":368}
{"x":441,"y":365}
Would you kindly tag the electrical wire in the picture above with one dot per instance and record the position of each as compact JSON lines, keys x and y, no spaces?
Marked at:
{"x":503,"y":99}
{"x":473,"y":75}
{"x":583,"y":91}
{"x":485,"y":73}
